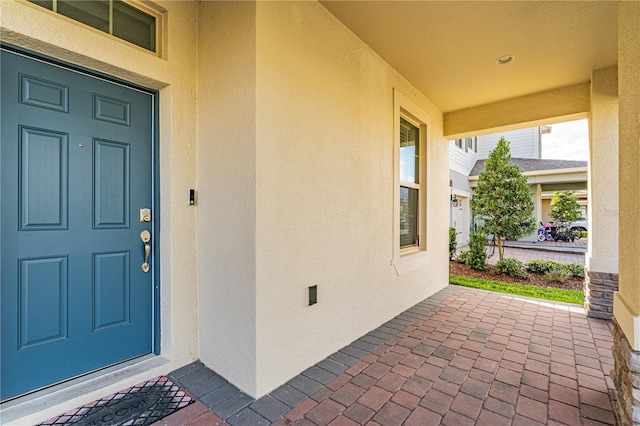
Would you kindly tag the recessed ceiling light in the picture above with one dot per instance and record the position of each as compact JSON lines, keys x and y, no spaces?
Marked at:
{"x":506,"y":59}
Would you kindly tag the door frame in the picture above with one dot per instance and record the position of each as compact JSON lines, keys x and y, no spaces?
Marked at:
{"x":155,"y":176}
{"x":466,"y":212}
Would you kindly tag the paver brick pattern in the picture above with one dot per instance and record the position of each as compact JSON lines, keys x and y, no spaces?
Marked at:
{"x":461,"y":357}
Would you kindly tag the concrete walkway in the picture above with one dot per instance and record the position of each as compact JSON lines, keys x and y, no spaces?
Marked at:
{"x":558,"y":251}
{"x":577,"y":246}
{"x":527,"y":254}
{"x":460,"y":357}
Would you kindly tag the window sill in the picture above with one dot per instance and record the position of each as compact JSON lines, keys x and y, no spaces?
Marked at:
{"x":410,"y":261}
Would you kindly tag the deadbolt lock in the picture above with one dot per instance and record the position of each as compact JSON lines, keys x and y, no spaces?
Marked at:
{"x":145,"y":215}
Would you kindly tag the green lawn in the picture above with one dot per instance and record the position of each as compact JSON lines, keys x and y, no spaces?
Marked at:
{"x":555,"y":294}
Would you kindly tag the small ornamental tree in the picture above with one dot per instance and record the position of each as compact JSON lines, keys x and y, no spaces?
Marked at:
{"x":502,"y":200}
{"x":565,"y":207}
{"x":453,"y":243}
{"x":477,"y":257}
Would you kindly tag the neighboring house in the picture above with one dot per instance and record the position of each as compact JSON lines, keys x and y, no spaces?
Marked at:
{"x":177,"y":175}
{"x":466,"y":159}
{"x":463,"y":155}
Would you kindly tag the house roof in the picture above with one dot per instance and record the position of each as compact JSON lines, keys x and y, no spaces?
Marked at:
{"x":534,"y":165}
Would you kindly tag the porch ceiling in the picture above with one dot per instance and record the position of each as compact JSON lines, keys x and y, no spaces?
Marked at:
{"x":448,"y":50}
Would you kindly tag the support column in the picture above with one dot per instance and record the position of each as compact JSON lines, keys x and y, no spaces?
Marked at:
{"x":538,"y":204}
{"x":626,"y":303}
{"x":601,"y":278}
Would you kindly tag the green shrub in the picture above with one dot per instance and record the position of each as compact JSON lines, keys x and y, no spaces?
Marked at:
{"x":558,"y":275}
{"x":462,"y":256}
{"x":576,"y":269}
{"x":477,"y":257}
{"x":545,"y":266}
{"x":542,"y":266}
{"x":453,"y":244}
{"x":513,"y":267}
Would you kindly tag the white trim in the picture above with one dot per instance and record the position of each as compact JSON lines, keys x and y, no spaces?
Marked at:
{"x":409,"y":185}
{"x":555,"y":171}
{"x":460,"y":192}
{"x":409,"y":259}
{"x":602,"y":264}
{"x":547,"y":172}
{"x":538,"y":204}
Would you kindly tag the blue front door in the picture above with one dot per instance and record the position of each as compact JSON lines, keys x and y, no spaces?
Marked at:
{"x":76,"y":168}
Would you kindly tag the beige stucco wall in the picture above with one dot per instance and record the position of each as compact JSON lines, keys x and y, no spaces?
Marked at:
{"x":325,"y":191}
{"x":602,"y":255}
{"x":227,"y":190}
{"x":22,"y":23}
{"x":626,"y":307}
{"x":295,"y":180}
{"x":553,"y":106}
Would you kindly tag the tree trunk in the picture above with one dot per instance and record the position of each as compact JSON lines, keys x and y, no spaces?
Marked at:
{"x":500,"y":249}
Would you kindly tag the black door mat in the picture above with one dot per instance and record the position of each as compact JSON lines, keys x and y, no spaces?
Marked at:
{"x":139,"y":405}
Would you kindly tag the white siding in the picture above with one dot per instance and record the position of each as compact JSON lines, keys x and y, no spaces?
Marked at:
{"x":460,"y":161}
{"x":523,"y":143}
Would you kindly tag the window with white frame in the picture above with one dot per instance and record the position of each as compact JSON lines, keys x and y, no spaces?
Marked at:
{"x":471,"y":144}
{"x":467,"y":144}
{"x":411,"y":130}
{"x":409,"y":183}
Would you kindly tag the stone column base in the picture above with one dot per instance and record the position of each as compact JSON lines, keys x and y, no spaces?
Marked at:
{"x":598,"y":293}
{"x":626,"y":378}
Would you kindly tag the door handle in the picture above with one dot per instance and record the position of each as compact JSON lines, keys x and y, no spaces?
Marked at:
{"x":145,"y":237}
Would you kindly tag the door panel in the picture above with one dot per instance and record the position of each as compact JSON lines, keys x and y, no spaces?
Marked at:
{"x":111,"y":190}
{"x":43,"y":171}
{"x":111,"y":289}
{"x":76,"y":168}
{"x":43,"y":287}
{"x":43,"y":93}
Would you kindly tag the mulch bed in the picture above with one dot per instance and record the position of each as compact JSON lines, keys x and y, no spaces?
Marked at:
{"x":492,"y":273}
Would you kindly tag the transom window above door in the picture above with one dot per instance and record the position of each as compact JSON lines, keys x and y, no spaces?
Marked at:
{"x":115,"y":17}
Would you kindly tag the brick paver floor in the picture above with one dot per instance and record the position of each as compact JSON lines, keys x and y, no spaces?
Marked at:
{"x":461,"y":357}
